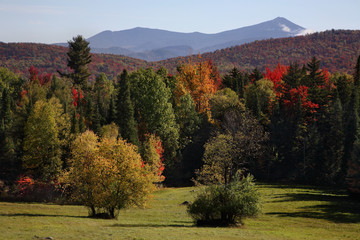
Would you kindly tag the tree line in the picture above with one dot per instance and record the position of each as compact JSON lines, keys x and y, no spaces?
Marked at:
{"x":293,"y":123}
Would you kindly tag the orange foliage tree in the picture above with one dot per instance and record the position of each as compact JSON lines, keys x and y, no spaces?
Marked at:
{"x":201,"y":80}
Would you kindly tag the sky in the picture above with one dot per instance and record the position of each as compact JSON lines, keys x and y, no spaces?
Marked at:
{"x":54,"y":21}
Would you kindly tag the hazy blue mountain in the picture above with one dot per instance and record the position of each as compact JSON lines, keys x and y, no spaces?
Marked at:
{"x":155,"y":44}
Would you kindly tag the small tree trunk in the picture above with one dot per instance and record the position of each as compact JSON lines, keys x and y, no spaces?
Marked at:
{"x":93,"y":211}
{"x":111,"y":212}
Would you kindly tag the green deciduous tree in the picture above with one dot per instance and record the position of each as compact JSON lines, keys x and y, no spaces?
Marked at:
{"x":187,"y":118}
{"x":42,"y":147}
{"x":154,"y":111}
{"x":223,"y":101}
{"x":236,"y":149}
{"x":259,"y":98}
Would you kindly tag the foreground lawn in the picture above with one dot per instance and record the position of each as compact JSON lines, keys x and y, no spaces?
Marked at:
{"x":289,"y":212}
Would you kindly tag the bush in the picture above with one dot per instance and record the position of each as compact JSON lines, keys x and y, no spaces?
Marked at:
{"x":226,"y":204}
{"x":26,"y":189}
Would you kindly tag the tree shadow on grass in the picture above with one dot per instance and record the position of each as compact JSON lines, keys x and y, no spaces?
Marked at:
{"x":152,"y":225}
{"x":38,"y":215}
{"x":306,"y":188}
{"x":337,"y":208}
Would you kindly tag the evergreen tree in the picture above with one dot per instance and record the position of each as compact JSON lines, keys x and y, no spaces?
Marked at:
{"x":97,"y":118}
{"x":82,"y":126}
{"x":7,"y":148}
{"x":75,"y":124}
{"x":8,"y":163}
{"x":255,"y":75}
{"x":111,"y":117}
{"x":357,"y":73}
{"x":5,"y":113}
{"x":78,"y":59}
{"x":352,"y":155}
{"x":351,"y":129}
{"x":289,"y":131}
{"x":236,"y":81}
{"x":315,"y":76}
{"x":295,"y":76}
{"x":332,"y":144}
{"x":125,"y":110}
{"x":317,"y":83}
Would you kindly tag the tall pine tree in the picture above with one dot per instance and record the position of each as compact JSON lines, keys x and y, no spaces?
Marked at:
{"x":125,"y":110}
{"x":78,"y":59}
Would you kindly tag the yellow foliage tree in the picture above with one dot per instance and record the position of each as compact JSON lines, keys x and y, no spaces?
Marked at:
{"x":108,"y":175}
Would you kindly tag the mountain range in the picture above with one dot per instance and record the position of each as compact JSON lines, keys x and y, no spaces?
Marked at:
{"x":155,"y":44}
{"x":337,"y":50}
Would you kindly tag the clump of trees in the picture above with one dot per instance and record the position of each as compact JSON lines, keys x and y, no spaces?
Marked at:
{"x":311,"y":117}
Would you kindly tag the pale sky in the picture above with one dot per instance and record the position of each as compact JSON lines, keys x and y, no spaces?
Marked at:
{"x":52,"y":21}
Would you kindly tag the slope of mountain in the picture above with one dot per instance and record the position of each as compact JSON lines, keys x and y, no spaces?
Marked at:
{"x":18,"y":57}
{"x":337,"y":50}
{"x":144,"y":43}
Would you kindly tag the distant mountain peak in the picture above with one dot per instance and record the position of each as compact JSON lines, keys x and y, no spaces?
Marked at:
{"x":145,"y":43}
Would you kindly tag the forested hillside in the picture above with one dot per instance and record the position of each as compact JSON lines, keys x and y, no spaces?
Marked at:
{"x":50,"y":58}
{"x":337,"y":50}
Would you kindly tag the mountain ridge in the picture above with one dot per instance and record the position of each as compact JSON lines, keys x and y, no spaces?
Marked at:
{"x":145,"y":43}
{"x":337,"y":50}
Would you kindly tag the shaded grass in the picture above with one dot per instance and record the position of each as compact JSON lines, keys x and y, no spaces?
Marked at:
{"x":289,"y":212}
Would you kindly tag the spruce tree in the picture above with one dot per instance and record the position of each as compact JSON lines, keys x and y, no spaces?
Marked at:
{"x":351,"y":129}
{"x":294,"y":76}
{"x":78,"y":59}
{"x":255,"y":75}
{"x":75,"y":124}
{"x":316,"y":82}
{"x":332,"y":144}
{"x":5,"y":108}
{"x":7,"y":153}
{"x":125,"y":110}
{"x":357,"y":73}
{"x":111,"y":117}
{"x":351,"y":159}
{"x":97,"y":118}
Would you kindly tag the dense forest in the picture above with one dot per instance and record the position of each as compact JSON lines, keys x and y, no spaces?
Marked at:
{"x":337,"y":50}
{"x":295,"y":123}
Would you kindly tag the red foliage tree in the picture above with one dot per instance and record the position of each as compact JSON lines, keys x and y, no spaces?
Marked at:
{"x":42,"y":79}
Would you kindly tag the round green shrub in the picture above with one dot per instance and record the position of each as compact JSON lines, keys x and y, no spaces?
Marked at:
{"x":227,"y":204}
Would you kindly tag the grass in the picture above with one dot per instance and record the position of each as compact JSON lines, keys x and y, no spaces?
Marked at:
{"x":289,"y":212}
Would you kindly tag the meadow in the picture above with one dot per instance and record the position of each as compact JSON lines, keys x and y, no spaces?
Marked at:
{"x":288,"y":212}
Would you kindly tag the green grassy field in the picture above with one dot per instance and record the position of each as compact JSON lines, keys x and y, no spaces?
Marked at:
{"x":289,"y":212}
